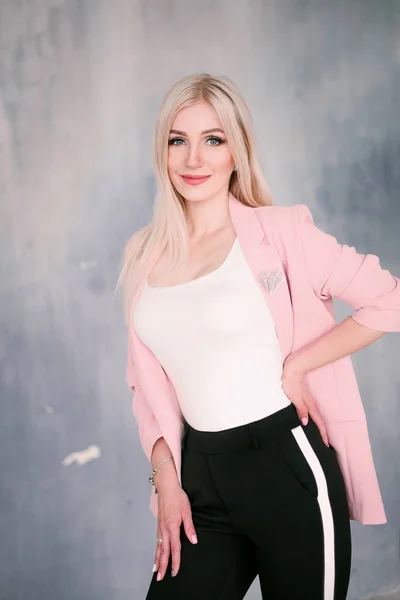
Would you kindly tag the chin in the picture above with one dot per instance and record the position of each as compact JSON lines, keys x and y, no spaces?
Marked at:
{"x":197,"y":195}
{"x":193,"y":193}
{"x":189,"y":198}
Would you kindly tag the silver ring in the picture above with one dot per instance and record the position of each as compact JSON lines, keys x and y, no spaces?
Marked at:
{"x":159,"y":540}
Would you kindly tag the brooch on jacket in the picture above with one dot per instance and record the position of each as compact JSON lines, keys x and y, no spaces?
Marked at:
{"x":271,"y":280}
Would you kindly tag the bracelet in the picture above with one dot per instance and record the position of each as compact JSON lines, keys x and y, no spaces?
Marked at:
{"x":154,"y":471}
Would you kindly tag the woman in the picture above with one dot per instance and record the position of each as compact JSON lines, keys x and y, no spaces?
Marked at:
{"x":244,"y":393}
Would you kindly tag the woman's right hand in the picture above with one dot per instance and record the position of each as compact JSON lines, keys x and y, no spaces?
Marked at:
{"x":173,"y":510}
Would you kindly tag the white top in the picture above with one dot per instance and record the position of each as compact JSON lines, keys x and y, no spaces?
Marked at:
{"x":216,"y":340}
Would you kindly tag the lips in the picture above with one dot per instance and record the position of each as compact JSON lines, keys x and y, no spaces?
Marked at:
{"x":195,"y":180}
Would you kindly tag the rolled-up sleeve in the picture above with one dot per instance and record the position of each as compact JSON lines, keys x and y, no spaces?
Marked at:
{"x":339,"y":271}
{"x":149,"y":431}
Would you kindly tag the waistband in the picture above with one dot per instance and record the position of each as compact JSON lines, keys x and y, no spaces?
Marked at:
{"x":250,"y":435}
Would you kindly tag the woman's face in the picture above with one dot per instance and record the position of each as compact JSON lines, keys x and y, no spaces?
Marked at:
{"x":200,"y":163}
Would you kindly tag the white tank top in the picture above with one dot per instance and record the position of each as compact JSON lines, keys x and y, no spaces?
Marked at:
{"x":216,"y":340}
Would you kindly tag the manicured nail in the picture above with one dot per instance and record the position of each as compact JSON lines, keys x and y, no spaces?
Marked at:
{"x":158,"y":576}
{"x":304,"y":420}
{"x":173,"y":572}
{"x":194,"y":539}
{"x":154,"y":568}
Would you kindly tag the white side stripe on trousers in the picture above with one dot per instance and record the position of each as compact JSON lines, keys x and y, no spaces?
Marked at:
{"x":326,"y":511}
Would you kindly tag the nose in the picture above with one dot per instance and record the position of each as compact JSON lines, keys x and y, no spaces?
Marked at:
{"x":193,"y":157}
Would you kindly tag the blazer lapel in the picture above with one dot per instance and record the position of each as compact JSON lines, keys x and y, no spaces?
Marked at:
{"x":267,"y":268}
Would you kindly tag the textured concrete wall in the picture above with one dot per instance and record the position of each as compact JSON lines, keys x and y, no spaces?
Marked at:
{"x":80,"y":81}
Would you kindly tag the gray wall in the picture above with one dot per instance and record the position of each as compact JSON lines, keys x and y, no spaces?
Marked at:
{"x":80,"y":82}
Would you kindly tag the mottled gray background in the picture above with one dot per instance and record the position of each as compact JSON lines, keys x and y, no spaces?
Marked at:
{"x":80,"y":83}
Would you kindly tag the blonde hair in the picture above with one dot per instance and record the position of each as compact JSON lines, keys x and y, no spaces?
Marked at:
{"x":167,"y":232}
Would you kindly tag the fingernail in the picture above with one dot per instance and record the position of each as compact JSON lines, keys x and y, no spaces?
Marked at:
{"x":194,"y":539}
{"x":304,"y":420}
{"x":173,"y":572}
{"x":154,"y":568}
{"x":158,"y":576}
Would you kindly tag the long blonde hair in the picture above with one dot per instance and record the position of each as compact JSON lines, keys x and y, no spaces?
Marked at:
{"x":167,"y":232}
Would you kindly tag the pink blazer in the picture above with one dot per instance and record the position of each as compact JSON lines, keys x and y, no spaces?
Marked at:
{"x":316,"y":268}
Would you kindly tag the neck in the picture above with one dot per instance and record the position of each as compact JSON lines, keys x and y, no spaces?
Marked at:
{"x":204,"y":217}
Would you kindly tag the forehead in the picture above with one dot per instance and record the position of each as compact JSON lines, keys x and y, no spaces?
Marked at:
{"x":196,"y":117}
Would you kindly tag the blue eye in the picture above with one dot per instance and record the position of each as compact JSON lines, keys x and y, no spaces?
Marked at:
{"x":171,"y":142}
{"x":213,"y":138}
{"x":216,"y":139}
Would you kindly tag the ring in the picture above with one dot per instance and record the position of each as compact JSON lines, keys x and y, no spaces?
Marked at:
{"x":159,"y":540}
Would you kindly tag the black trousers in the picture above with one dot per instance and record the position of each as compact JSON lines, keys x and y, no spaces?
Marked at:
{"x":268,"y":499}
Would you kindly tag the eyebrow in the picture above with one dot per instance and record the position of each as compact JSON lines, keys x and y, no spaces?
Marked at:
{"x":178,"y":131}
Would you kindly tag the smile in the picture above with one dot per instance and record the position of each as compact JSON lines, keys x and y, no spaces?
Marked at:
{"x":195,"y":179}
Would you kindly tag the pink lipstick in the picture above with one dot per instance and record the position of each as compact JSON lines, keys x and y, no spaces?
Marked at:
{"x":195,"y":179}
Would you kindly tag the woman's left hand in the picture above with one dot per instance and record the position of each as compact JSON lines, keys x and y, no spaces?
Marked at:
{"x":295,"y":388}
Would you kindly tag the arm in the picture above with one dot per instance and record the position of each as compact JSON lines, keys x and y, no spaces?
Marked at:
{"x":174,"y":508}
{"x":149,"y":431}
{"x":344,"y":339}
{"x":337,"y":270}
{"x":154,"y":445}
